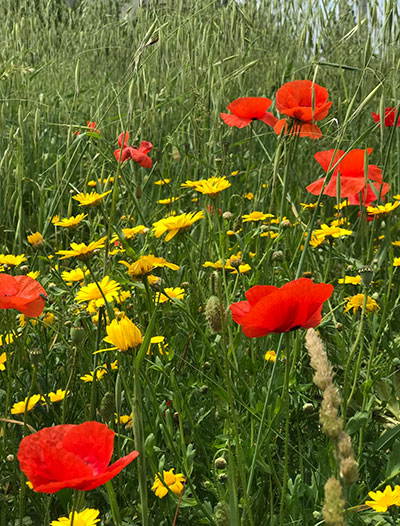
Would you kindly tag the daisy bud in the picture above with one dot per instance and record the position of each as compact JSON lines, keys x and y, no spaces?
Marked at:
{"x":285,"y":223}
{"x":222,"y":478}
{"x":277,"y":255}
{"x":220,"y":463}
{"x":207,"y":365}
{"x":308,"y":408}
{"x":10,"y":458}
{"x":24,"y":269}
{"x":339,"y":327}
{"x":203,"y":389}
{"x":227,"y":216}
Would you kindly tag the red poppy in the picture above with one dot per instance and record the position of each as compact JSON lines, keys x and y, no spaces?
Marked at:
{"x":139,"y":155}
{"x":22,"y":293}
{"x":247,"y":109}
{"x":350,"y":168}
{"x":92,"y":127}
{"x":70,"y":456}
{"x":390,"y":114}
{"x":305,"y":102}
{"x":296,"y":305}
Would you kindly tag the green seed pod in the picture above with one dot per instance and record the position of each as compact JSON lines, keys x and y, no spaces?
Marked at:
{"x":77,"y":335}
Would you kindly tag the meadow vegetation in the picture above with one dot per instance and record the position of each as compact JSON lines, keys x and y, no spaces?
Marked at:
{"x":110,"y":135}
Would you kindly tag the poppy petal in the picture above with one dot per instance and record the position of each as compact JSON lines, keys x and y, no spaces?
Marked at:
{"x":328,"y":159}
{"x":145,"y":146}
{"x":269,"y":119}
{"x":92,"y":442}
{"x":124,"y":136}
{"x":256,"y":293}
{"x":250,"y":107}
{"x":232,"y":120}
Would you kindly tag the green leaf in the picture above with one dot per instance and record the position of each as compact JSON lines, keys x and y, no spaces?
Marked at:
{"x":356,"y":422}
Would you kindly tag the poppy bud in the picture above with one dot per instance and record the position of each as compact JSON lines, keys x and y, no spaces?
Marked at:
{"x":220,"y":463}
{"x":77,"y":335}
{"x":214,"y":314}
{"x":107,"y":406}
{"x":139,"y":192}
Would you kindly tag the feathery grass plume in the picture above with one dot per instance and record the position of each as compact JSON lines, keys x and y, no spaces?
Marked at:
{"x":332,"y":425}
{"x":334,"y":503}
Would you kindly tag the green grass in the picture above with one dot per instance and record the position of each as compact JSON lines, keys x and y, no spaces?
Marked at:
{"x":164,"y":75}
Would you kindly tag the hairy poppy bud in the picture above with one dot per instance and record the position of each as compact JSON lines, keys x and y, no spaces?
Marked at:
{"x":366,"y":273}
{"x":277,"y":255}
{"x":77,"y":335}
{"x":214,"y":314}
{"x":107,"y":406}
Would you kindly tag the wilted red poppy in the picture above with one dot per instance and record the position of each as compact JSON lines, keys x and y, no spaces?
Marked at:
{"x":352,"y":177}
{"x":22,"y":293}
{"x":138,"y":155}
{"x":70,"y":456}
{"x":305,"y":102}
{"x":390,"y":114}
{"x":296,"y":305}
{"x":247,"y":109}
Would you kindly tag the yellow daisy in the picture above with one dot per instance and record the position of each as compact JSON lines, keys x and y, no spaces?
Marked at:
{"x":70,"y":222}
{"x":211,"y":187}
{"x":90,"y":199}
{"x":19,"y":407}
{"x":175,"y":224}
{"x":87,"y":517}
{"x":350,"y":280}
{"x":145,"y":265}
{"x":382,"y":500}
{"x":161,"y":182}
{"x":123,"y":334}
{"x":382,"y":209}
{"x":58,"y":396}
{"x":72,"y":276}
{"x":356,"y":302}
{"x":170,"y":293}
{"x":255,"y":216}
{"x":270,"y":356}
{"x":100,"y":372}
{"x":82,"y":251}
{"x":173,"y":482}
{"x":3,"y":359}
{"x":167,"y":201}
{"x":10,"y":260}
{"x":95,"y":296}
{"x":36,"y":240}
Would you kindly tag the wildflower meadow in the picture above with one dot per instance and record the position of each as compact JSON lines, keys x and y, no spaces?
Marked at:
{"x":199,"y":243}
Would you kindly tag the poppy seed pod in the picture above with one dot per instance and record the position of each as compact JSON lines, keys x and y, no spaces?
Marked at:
{"x":366,"y":273}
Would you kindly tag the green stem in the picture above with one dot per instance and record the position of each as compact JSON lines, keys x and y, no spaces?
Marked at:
{"x":139,"y":445}
{"x":347,"y":398}
{"x":286,"y":448}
